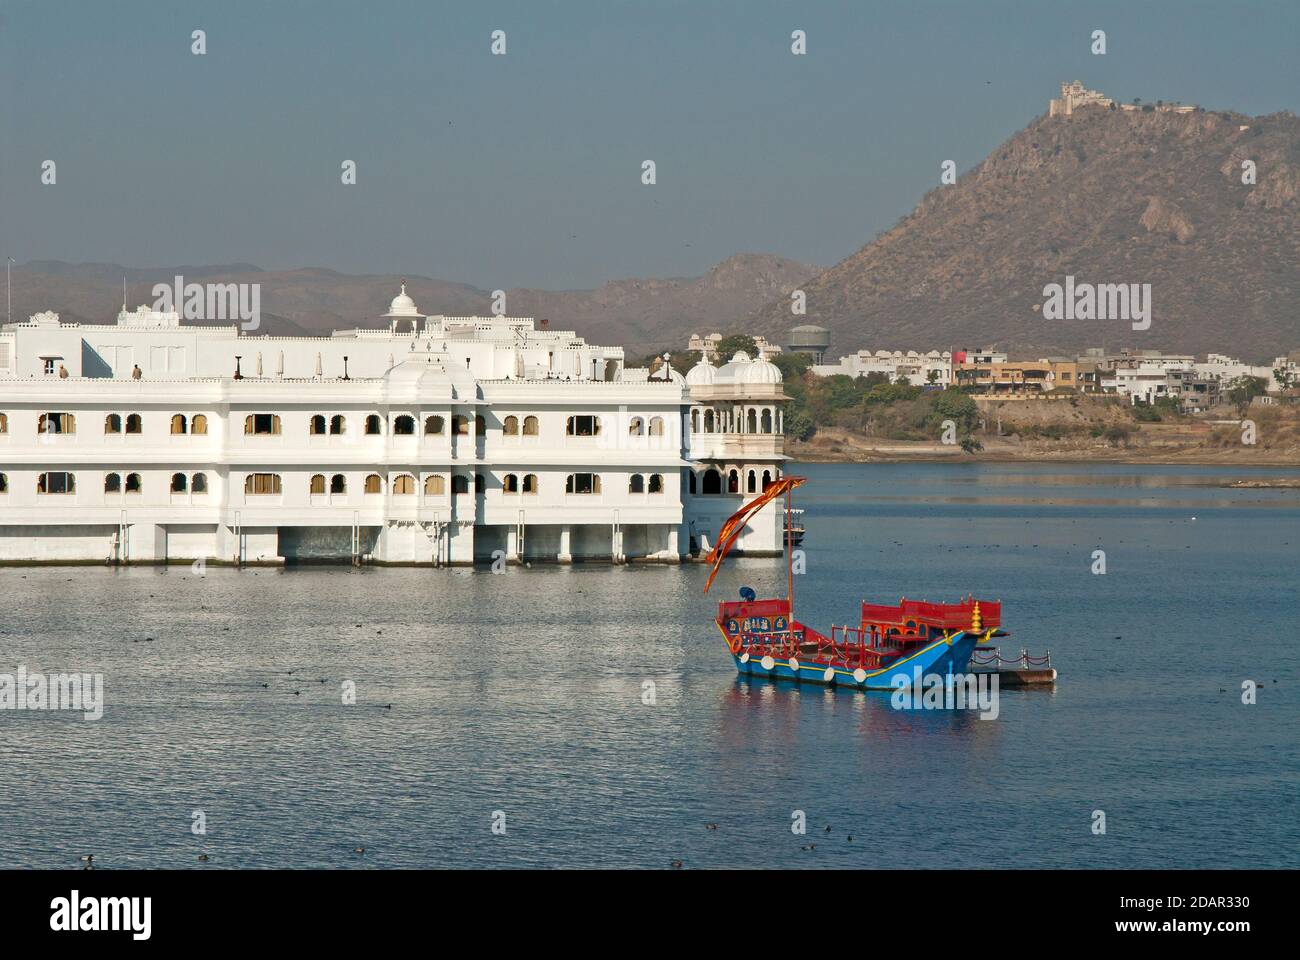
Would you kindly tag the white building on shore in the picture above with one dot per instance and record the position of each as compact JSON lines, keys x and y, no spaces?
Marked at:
{"x":917,"y":369}
{"x":436,"y":440}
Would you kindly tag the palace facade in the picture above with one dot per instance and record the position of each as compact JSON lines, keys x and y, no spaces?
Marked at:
{"x":433,"y":440}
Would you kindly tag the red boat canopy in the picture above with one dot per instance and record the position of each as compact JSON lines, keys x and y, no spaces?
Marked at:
{"x":945,"y":616}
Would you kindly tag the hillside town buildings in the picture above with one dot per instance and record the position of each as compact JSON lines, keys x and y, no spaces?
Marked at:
{"x":1138,"y":375}
{"x":918,"y":369}
{"x":708,"y":345}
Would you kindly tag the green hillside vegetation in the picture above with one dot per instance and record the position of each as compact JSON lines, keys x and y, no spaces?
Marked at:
{"x":871,"y":405}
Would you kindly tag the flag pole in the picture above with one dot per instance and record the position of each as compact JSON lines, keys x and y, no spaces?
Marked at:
{"x":789,"y":553}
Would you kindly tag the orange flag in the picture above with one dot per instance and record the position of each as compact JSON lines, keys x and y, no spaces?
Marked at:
{"x":731,"y":530}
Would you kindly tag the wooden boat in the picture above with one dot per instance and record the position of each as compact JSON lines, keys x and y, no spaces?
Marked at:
{"x":889,"y":646}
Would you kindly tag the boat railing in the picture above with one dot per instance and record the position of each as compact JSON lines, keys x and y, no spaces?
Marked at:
{"x":777,"y":643}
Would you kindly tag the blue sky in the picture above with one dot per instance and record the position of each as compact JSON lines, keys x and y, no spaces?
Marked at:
{"x":524,"y":170}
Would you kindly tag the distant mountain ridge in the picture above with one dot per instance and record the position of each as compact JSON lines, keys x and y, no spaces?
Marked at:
{"x":1107,"y":197}
{"x":643,"y":314}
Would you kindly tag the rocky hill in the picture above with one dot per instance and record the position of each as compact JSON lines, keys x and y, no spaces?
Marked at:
{"x":1107,"y":196}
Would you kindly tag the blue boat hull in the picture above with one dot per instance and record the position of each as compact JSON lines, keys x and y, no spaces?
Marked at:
{"x":942,"y":657}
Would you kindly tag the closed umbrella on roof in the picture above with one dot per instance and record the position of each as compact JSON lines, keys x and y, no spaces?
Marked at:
{"x":318,"y":369}
{"x":259,"y":363}
{"x":279,"y":365}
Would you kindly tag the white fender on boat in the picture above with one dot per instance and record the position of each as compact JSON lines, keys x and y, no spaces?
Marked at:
{"x":768,"y":663}
{"x":860,"y":675}
{"x":744,"y":657}
{"x":794,"y":664}
{"x":829,"y":675}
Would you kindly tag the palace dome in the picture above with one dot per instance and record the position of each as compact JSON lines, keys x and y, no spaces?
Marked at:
{"x":402,"y":305}
{"x":702,"y":374}
{"x":761,"y":370}
{"x":729,"y":372}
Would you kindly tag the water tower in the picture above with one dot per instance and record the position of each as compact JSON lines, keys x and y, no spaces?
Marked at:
{"x":810,"y":339}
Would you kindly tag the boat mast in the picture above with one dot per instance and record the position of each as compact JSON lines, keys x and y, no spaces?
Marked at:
{"x":789,"y":554}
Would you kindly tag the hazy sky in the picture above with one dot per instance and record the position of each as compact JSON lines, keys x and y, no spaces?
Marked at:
{"x":525,"y":169}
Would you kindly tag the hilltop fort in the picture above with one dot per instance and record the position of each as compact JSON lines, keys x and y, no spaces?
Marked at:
{"x":1075,"y":95}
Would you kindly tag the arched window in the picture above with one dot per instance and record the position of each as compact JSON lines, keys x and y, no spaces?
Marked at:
{"x":582,"y":483}
{"x":112,"y":483}
{"x":134,"y":423}
{"x":636,"y":483}
{"x":199,"y":426}
{"x":56,"y":423}
{"x":656,"y":484}
{"x":434,"y":425}
{"x":459,"y":484}
{"x":708,"y":421}
{"x":255,"y":424}
{"x":530,"y":426}
{"x":374,"y":483}
{"x":712,"y":481}
{"x":733,"y":482}
{"x":4,"y":483}
{"x":338,"y":483}
{"x":656,"y":426}
{"x":338,"y":425}
{"x":460,"y":425}
{"x":113,"y":423}
{"x":403,"y":485}
{"x":180,"y":483}
{"x":691,"y":482}
{"x":582,"y":426}
{"x":752,"y":483}
{"x":530,"y":483}
{"x":134,"y":483}
{"x":635,"y":427}
{"x":262,"y":484}
{"x":199,"y":483}
{"x":511,"y":427}
{"x":767,"y":479}
{"x":4,"y":423}
{"x":374,"y":426}
{"x":404,"y":426}
{"x":751,"y":421}
{"x":510,"y":483}
{"x":767,"y":421}
{"x":480,"y":484}
{"x":695,"y":421}
{"x":178,"y":423}
{"x":56,"y":483}
{"x":480,"y":426}
{"x":434,"y":485}
{"x":318,"y":483}
{"x":317,"y":428}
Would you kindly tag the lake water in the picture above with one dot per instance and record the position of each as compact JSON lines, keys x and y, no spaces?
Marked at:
{"x":522,"y":693}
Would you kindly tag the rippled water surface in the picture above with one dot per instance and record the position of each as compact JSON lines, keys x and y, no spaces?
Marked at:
{"x":522,"y":693}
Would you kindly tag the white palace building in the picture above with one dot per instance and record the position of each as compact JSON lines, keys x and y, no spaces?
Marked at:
{"x":434,"y":440}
